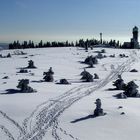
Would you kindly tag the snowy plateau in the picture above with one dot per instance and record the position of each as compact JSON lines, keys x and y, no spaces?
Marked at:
{"x":48,"y":113}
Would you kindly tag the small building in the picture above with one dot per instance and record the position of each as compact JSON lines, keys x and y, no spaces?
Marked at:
{"x":133,"y":44}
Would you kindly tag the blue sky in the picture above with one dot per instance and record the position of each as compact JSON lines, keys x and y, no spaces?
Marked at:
{"x":67,"y":19}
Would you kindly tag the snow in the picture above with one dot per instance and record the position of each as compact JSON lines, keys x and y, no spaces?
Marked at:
{"x":53,"y":107}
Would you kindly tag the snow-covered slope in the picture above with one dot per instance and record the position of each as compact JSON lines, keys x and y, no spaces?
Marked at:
{"x":48,"y":113}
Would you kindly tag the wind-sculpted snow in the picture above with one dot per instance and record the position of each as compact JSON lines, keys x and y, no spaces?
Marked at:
{"x":46,"y":115}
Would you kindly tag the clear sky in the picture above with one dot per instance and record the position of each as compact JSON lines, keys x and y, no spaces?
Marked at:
{"x":67,"y":19}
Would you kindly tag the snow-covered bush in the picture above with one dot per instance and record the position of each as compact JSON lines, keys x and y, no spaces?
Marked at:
{"x":98,"y":110}
{"x":23,"y":71}
{"x":131,"y":90}
{"x":112,"y":55}
{"x":119,"y":84}
{"x":48,"y":75}
{"x":86,"y":76}
{"x":96,"y":76}
{"x":122,"y":55}
{"x":64,"y":81}
{"x":133,"y":70}
{"x":31,"y":64}
{"x":5,"y":77}
{"x":23,"y":86}
{"x":90,"y":59}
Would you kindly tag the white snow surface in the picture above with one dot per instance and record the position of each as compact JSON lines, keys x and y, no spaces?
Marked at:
{"x":48,"y":113}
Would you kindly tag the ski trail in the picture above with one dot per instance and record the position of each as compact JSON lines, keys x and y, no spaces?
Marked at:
{"x":124,"y":67}
{"x":12,"y":122}
{"x":46,"y":115}
{"x":6,"y":132}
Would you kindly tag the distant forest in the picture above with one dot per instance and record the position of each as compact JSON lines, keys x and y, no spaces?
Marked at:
{"x":80,"y":43}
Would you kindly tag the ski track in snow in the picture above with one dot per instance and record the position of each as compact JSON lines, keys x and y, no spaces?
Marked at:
{"x":6,"y":132}
{"x":46,"y":115}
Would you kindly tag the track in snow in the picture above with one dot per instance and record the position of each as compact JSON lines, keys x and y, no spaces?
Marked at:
{"x":113,"y":75}
{"x":46,"y":115}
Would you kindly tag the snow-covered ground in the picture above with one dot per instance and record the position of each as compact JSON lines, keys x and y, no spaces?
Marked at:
{"x":48,"y":113}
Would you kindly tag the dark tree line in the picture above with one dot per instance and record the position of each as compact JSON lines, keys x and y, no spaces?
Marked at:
{"x":80,"y":43}
{"x":87,"y":43}
{"x":92,"y":42}
{"x":31,"y":44}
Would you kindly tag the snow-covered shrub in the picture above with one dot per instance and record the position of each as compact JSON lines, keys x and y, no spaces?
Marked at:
{"x":119,"y":84}
{"x":23,"y":71}
{"x":31,"y":64}
{"x":96,"y":76}
{"x":64,"y":81}
{"x":130,"y":90}
{"x":5,"y":77}
{"x":133,"y":70}
{"x":122,"y":55}
{"x":90,"y":59}
{"x":98,"y":110}
{"x":86,"y":76}
{"x":122,"y":113}
{"x":113,"y":55}
{"x":23,"y":86}
{"x":48,"y":75}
